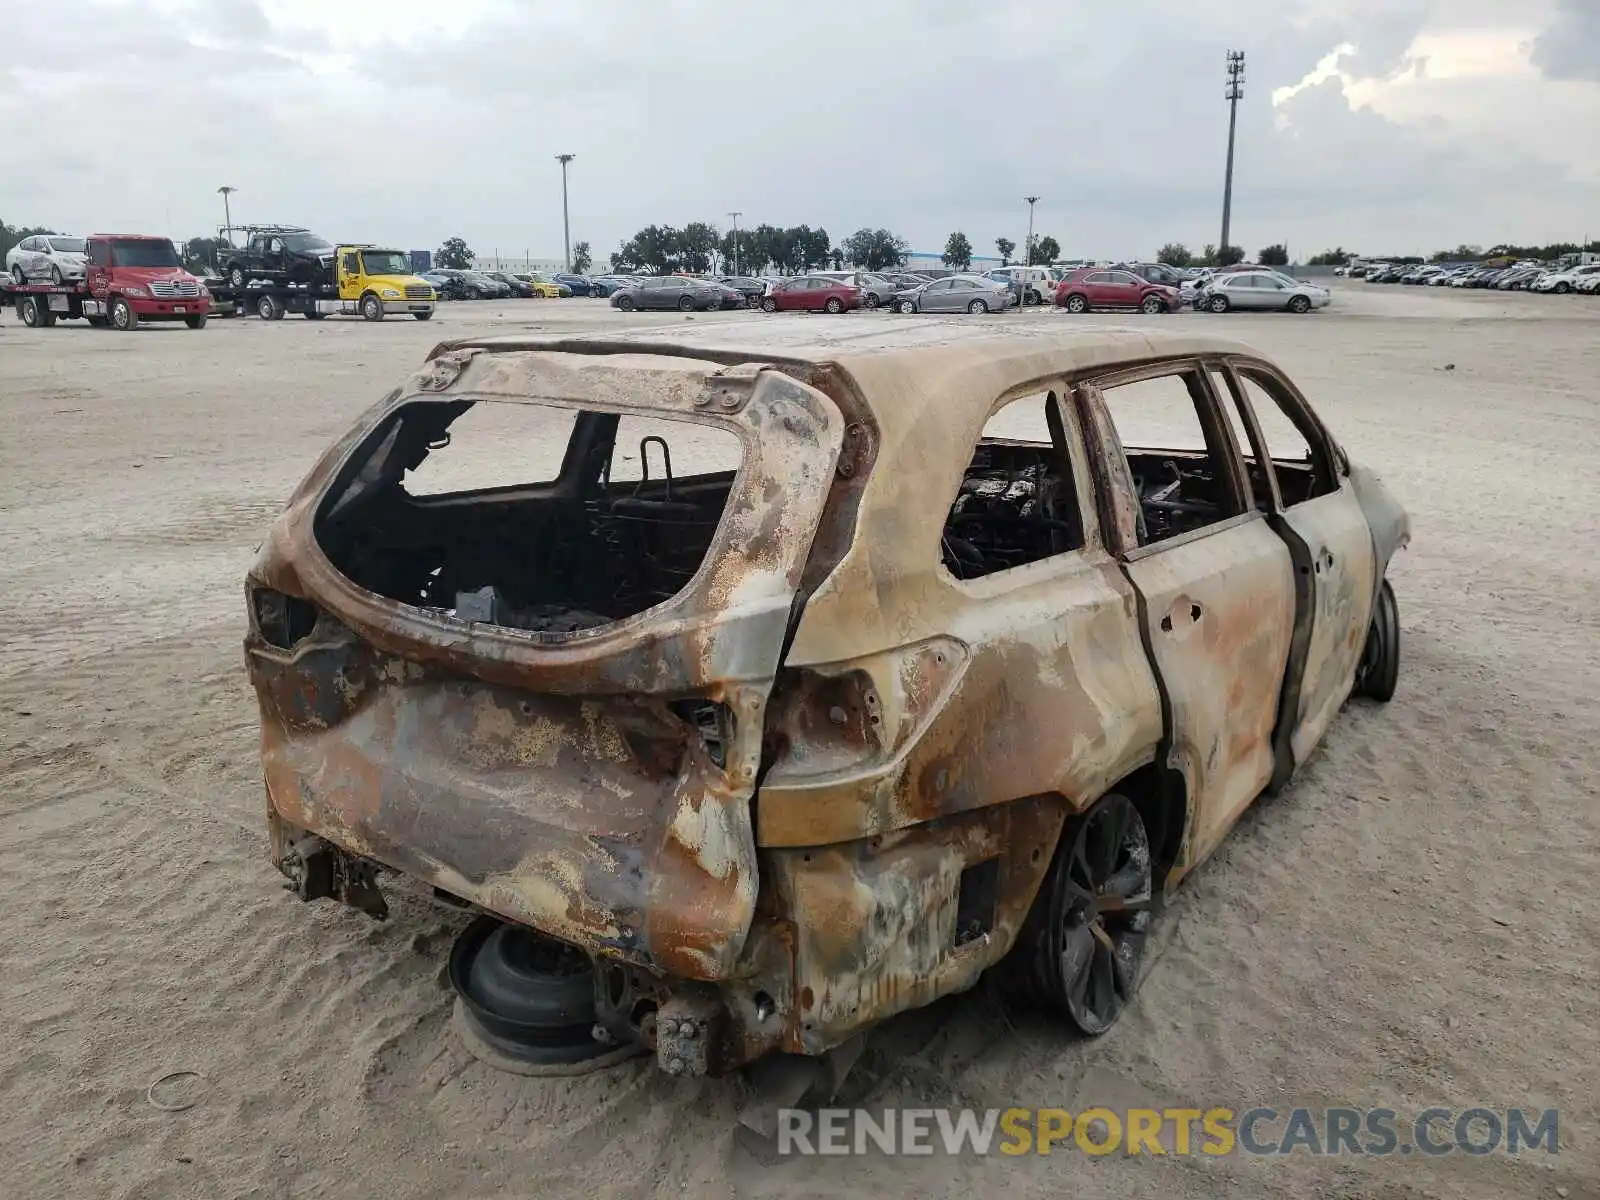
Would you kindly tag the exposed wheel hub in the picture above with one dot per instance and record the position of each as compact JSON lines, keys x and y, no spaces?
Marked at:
{"x":526,"y":1000}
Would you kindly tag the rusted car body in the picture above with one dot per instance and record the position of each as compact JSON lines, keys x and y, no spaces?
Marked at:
{"x":818,"y":772}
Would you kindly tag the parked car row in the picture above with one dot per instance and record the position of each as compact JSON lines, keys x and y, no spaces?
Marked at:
{"x":1517,"y":277}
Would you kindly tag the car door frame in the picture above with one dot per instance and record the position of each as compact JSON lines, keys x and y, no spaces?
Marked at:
{"x":1189,"y":704}
{"x":1125,"y":292}
{"x":1335,"y":594}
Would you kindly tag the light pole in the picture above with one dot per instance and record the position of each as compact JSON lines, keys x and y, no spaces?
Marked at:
{"x":227,"y":214}
{"x":736,"y":215}
{"x":566,"y":227}
{"x":1027,"y":246}
{"x":1234,"y":92}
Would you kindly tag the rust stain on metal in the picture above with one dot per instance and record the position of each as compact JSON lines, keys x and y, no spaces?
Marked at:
{"x":764,"y":802}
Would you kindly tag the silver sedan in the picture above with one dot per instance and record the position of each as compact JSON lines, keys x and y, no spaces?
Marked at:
{"x":1260,"y":290}
{"x":957,"y":293}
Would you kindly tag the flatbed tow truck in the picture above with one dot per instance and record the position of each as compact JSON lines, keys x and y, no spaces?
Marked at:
{"x":128,"y":278}
{"x":370,"y":282}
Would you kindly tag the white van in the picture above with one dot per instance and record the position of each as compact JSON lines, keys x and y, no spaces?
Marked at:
{"x":1038,"y":283}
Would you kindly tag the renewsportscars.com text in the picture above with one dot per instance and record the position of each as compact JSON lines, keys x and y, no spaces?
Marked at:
{"x":1179,"y":1131}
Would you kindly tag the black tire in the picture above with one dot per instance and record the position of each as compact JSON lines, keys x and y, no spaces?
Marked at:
{"x":1217,"y":304}
{"x":685,"y":303}
{"x":834,"y":305}
{"x":1076,"y":303}
{"x":423,"y":316}
{"x":29,"y":311}
{"x":236,"y":277}
{"x":907,"y":307}
{"x":268,"y":308}
{"x":768,"y":304}
{"x":870,"y":300}
{"x":198,"y":322}
{"x":978,"y":307}
{"x":56,"y":277}
{"x":1032,"y":297}
{"x":1379,"y":669}
{"x":371,"y":307}
{"x":1151,"y":305}
{"x":1561,"y":289}
{"x":17,"y":277}
{"x":1079,"y":951}
{"x":1299,"y":305}
{"x":122,"y":317}
{"x":625,"y":303}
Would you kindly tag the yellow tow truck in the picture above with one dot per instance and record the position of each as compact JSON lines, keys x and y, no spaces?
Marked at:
{"x":371,"y":282}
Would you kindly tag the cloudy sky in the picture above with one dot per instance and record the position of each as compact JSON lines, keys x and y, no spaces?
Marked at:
{"x":1380,"y":125}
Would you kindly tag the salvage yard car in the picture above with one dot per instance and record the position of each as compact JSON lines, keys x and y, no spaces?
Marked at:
{"x":754,"y":695}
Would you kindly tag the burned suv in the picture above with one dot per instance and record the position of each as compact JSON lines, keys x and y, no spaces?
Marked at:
{"x":753,"y":697}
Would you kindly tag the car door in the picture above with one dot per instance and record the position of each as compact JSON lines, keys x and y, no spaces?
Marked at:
{"x":937,"y":296}
{"x":1320,"y":520}
{"x":1274,"y":291}
{"x":1098,"y":287}
{"x":1123,"y":290}
{"x":1217,"y":599}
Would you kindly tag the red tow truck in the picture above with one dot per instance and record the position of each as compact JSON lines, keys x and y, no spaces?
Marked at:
{"x":129,"y":278}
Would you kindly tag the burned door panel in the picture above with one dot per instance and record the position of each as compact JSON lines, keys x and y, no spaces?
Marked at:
{"x":1218,"y":612}
{"x":1334,"y":533}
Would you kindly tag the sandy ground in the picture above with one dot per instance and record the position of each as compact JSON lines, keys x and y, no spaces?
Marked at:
{"x":1411,"y":923}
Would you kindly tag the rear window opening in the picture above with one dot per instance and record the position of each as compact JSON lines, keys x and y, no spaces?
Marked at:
{"x":534,"y":517}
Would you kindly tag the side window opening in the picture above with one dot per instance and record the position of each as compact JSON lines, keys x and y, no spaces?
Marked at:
{"x":1178,"y":464}
{"x":1299,"y":459}
{"x":1017,"y":502}
{"x":1255,"y":473}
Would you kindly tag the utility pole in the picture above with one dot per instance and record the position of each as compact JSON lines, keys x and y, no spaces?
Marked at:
{"x":1027,"y":246}
{"x":566,"y":226}
{"x":736,"y":216}
{"x":1234,"y":92}
{"x":227,"y":213}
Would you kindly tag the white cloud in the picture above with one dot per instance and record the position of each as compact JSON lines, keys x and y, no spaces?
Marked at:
{"x":408,"y":121}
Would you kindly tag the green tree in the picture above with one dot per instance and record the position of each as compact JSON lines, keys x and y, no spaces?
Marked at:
{"x":1175,"y":254}
{"x":1337,"y":257}
{"x":455,"y":253}
{"x":203,"y":255}
{"x":874,"y":249}
{"x":814,"y":246}
{"x":582,"y":258}
{"x":1007,"y":248}
{"x":1230,"y":256}
{"x":1208,"y":256}
{"x":1045,"y":250}
{"x":837,"y":259}
{"x":957,"y":252}
{"x":743,"y":252}
{"x":697,"y":243}
{"x":1276,"y":255}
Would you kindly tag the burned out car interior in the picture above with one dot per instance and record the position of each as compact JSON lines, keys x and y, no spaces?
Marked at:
{"x":614,"y":532}
{"x":677,"y":668}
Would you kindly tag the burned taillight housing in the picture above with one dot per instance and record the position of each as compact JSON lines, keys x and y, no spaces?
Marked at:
{"x":280,"y":619}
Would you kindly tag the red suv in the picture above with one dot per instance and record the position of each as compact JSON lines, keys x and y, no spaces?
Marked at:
{"x":813,"y":293}
{"x":136,"y":277}
{"x":1113,"y":287}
